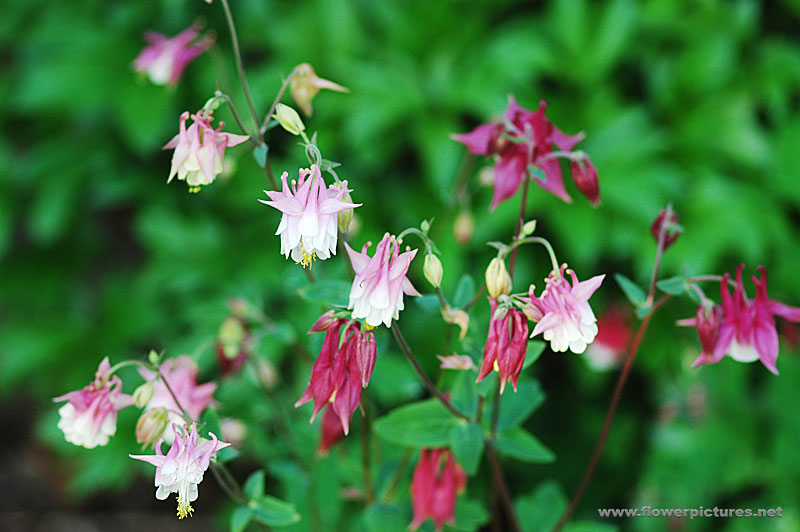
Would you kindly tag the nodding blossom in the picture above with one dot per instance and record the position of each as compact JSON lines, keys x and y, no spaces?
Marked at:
{"x":380,"y":282}
{"x":308,"y":226}
{"x":332,"y":431}
{"x":89,"y":418}
{"x":305,"y":84}
{"x":341,"y":369}
{"x":523,"y":139}
{"x":743,"y":329}
{"x":181,"y":469}
{"x":438,"y":479}
{"x":199,"y":150}
{"x":505,"y":347}
{"x":562,"y":312}
{"x":164,"y":58}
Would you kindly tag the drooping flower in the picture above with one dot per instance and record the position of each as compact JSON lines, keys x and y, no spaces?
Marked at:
{"x":613,"y":334}
{"x":332,"y":431}
{"x":199,"y":150}
{"x":181,"y":469}
{"x":505,"y":347}
{"x":380,"y":282}
{"x":305,"y":84}
{"x":164,"y":58}
{"x":521,"y":139}
{"x":308,"y":226}
{"x":89,"y":418}
{"x":669,"y":218}
{"x":181,"y":374}
{"x":747,"y":329}
{"x":438,"y":479}
{"x":341,"y":370}
{"x":584,"y":175}
{"x":563,"y":312}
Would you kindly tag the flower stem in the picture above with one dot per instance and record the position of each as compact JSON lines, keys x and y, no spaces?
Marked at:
{"x":366,"y":468}
{"x":425,"y":380}
{"x":276,"y":101}
{"x":612,"y":410}
{"x":236,"y":117}
{"x":512,"y":263}
{"x":502,"y":488}
{"x":662,"y":237}
{"x":538,"y":240}
{"x":398,"y":475}
{"x":239,"y":67}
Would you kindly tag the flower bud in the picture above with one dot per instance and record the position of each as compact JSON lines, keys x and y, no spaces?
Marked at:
{"x":231,"y":335}
{"x":344,"y":217}
{"x":153,"y":357}
{"x":433,"y":270}
{"x":151,"y":425}
{"x":463,"y":227}
{"x":528,"y":228}
{"x":498,"y":281}
{"x":584,"y":174}
{"x":289,"y":119}
{"x":143,"y":394}
{"x":672,"y":230}
{"x":456,"y":317}
{"x":456,"y":361}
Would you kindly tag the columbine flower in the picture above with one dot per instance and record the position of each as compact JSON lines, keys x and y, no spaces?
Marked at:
{"x":438,"y":479}
{"x":182,"y":468}
{"x":380,"y":282}
{"x":181,"y":374}
{"x":563,"y":312}
{"x":505,"y":347}
{"x":611,"y":341}
{"x":332,"y":431}
{"x":521,"y":139}
{"x":305,"y":84}
{"x":672,"y":230}
{"x":747,"y":329}
{"x":164,"y":59}
{"x":340,"y":371}
{"x":199,"y":150}
{"x":89,"y":418}
{"x":308,"y":226}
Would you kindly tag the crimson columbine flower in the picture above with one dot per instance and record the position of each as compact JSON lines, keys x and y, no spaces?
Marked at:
{"x":332,"y":431}
{"x":164,"y":58}
{"x":308,"y":227}
{"x":563,"y":312}
{"x":380,"y":282}
{"x":584,"y":174}
{"x":438,"y":479}
{"x":521,"y":139}
{"x":505,"y":348}
{"x":89,"y":418}
{"x":613,"y":334}
{"x":181,"y":374}
{"x":340,"y":371}
{"x":181,"y":469}
{"x":199,"y":150}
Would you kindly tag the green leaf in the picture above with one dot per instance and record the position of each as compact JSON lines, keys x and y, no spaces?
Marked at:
{"x":520,"y":444}
{"x":533,"y":352}
{"x":515,"y":407}
{"x":254,"y":485}
{"x":464,"y":291}
{"x":386,"y":518}
{"x":466,"y":442}
{"x":260,"y":155}
{"x":470,"y":515}
{"x":327,"y":292}
{"x":632,"y":291}
{"x":240,"y":518}
{"x":540,"y":511}
{"x":270,"y":511}
{"x":674,"y":285}
{"x":423,"y":424}
{"x":464,"y":393}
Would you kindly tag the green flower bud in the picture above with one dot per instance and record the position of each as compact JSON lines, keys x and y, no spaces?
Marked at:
{"x":498,"y":281}
{"x":289,"y":119}
{"x":433,"y":270}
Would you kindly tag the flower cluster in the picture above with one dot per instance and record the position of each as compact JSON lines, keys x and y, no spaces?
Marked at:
{"x":505,"y":348}
{"x":164,"y":59}
{"x":438,"y":479}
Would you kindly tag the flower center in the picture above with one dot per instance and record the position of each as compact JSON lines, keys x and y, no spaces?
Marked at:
{"x":307,"y":259}
{"x":184,"y":508}
{"x":194,"y":190}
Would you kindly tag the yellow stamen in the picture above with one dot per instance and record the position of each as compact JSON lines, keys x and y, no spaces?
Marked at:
{"x":307,"y":259}
{"x":333,"y":396}
{"x":184,"y":508}
{"x":496,"y":366}
{"x":194,"y":190}
{"x":368,"y":327}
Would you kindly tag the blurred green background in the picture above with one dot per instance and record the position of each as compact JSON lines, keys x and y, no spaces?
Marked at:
{"x":694,"y":103}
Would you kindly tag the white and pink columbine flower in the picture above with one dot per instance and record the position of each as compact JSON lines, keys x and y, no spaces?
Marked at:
{"x":308,"y":227}
{"x":380,"y":282}
{"x":181,"y":374}
{"x":164,"y":59}
{"x":563,"y":312}
{"x":181,"y":469}
{"x":199,"y":150}
{"x":89,"y":418}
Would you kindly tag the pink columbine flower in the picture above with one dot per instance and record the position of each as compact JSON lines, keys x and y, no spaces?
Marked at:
{"x":181,"y":469}
{"x":563,"y":312}
{"x":438,"y":479}
{"x":181,"y":374}
{"x":380,"y":282}
{"x":505,"y":347}
{"x":341,"y":370}
{"x":199,"y":150}
{"x":521,"y":139}
{"x":308,"y":227}
{"x":89,"y":418}
{"x":164,"y":59}
{"x":613,"y":335}
{"x":747,"y":330}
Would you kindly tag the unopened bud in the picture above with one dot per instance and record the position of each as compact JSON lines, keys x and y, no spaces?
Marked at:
{"x":672,"y":230}
{"x":528,"y":228}
{"x":463,"y":227}
{"x":345,"y":217}
{"x":433,"y":270}
{"x":151,"y":425}
{"x":425,"y":226}
{"x":231,"y":336}
{"x":456,"y":317}
{"x":153,"y":357}
{"x":143,"y":394}
{"x":289,"y":119}
{"x":498,"y":281}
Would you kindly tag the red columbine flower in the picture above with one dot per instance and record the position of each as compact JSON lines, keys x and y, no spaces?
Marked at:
{"x":438,"y":479}
{"x":613,"y":334}
{"x":331,"y":431}
{"x":584,"y":174}
{"x":340,"y":371}
{"x":505,"y":347}
{"x":164,"y":59}
{"x":521,"y":139}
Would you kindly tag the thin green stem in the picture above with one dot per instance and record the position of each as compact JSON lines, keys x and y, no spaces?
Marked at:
{"x":236,"y":116}
{"x":366,"y":466}
{"x":502,"y":487}
{"x":662,"y":239}
{"x":398,"y":475}
{"x":512,"y":263}
{"x":240,"y":67}
{"x":276,"y":101}
{"x":536,"y":240}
